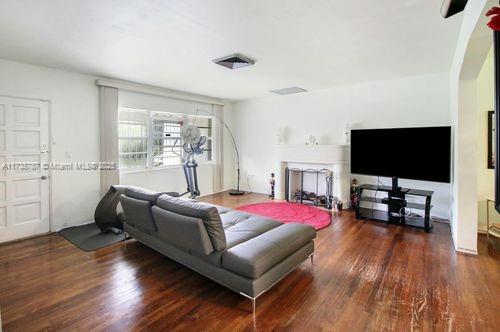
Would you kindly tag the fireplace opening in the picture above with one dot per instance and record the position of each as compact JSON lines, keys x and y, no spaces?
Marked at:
{"x":309,"y":186}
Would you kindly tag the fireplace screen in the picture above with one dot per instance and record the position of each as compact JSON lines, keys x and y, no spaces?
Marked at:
{"x":309,"y":186}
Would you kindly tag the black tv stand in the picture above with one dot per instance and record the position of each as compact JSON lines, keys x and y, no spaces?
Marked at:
{"x":397,"y":204}
{"x":395,"y":187}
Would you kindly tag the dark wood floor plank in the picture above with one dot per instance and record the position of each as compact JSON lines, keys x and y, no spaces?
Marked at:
{"x":367,"y":276}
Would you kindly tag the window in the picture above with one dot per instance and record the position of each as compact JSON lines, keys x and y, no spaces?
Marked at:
{"x":167,"y":145}
{"x":133,"y":139}
{"x":205,"y":125}
{"x":151,"y":140}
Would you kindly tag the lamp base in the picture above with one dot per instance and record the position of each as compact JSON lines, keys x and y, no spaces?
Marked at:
{"x":236,"y":192}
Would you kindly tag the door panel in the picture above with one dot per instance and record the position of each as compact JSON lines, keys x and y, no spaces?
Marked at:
{"x":24,"y":195}
{"x":26,"y":189}
{"x":26,"y":116}
{"x":2,"y":140}
{"x":3,"y":217}
{"x":26,"y":159}
{"x":25,"y":140}
{"x":2,"y":115}
{"x":3,"y":191}
{"x":27,"y":213}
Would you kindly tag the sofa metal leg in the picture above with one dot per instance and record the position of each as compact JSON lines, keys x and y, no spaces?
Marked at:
{"x":126,"y":237}
{"x":253,"y":299}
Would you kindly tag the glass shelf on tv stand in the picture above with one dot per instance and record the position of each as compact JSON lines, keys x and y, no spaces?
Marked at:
{"x":388,"y":216}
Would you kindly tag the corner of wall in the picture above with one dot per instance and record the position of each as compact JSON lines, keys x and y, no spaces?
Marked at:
{"x":463,"y":108}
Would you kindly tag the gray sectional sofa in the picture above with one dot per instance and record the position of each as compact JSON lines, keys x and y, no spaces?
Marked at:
{"x":244,"y":252}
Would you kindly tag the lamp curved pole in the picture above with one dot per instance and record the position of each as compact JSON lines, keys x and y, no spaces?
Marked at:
{"x":237,"y":191}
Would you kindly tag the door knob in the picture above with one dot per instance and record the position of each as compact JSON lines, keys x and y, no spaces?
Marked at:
{"x":43,"y":177}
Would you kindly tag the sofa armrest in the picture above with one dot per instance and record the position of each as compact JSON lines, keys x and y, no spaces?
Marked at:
{"x":254,"y":257}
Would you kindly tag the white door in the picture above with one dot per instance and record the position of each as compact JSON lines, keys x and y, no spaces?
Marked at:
{"x":24,"y":184}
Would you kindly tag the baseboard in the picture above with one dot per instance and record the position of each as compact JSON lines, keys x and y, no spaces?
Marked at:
{"x":215,"y":192}
{"x":60,"y":227}
{"x":25,"y":238}
{"x":481,"y":230}
{"x":466,"y":251}
{"x":226,"y":190}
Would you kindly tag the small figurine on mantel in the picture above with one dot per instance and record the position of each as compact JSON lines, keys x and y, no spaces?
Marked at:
{"x":272,"y":182}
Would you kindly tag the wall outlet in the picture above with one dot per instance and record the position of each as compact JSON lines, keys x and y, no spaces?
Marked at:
{"x":67,"y":155}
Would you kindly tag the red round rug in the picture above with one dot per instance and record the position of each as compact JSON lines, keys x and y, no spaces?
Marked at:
{"x":290,"y":212}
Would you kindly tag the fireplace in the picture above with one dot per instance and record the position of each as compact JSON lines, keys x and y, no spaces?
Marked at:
{"x":334,"y":158}
{"x":309,"y":186}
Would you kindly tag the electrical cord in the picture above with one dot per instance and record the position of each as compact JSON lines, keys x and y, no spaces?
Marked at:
{"x":406,"y":214}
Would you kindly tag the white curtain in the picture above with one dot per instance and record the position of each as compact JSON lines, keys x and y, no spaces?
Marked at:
{"x":218,"y":178}
{"x":108,"y":108}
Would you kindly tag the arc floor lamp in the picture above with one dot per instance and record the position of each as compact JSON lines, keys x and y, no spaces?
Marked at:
{"x":236,"y":191}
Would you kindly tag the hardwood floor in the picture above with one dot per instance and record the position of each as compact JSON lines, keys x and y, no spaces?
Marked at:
{"x":366,"y":276}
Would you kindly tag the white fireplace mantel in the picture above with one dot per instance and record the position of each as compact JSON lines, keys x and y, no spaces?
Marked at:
{"x":333,"y":157}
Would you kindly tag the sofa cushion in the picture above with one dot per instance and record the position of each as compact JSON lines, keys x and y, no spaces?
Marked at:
{"x":233,"y":217}
{"x":206,"y":212}
{"x":181,"y":231}
{"x":254,"y":257}
{"x":142,"y":194}
{"x":138,"y":213}
{"x":240,"y":227}
{"x":222,"y":209}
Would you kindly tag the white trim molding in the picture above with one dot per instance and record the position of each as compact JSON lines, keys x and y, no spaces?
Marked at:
{"x":158,"y":91}
{"x":467,"y":251}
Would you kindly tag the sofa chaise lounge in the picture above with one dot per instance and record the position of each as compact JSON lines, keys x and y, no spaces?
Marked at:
{"x":244,"y":252}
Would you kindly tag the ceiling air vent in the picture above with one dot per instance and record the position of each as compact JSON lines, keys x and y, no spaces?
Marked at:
{"x":288,"y":91}
{"x":234,"y":61}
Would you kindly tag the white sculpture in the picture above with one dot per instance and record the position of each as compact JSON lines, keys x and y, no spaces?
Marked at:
{"x":311,"y":140}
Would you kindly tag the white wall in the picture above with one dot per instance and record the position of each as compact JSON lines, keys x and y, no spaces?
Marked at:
{"x":473,"y":43}
{"x":74,"y":128}
{"x":169,"y":179}
{"x":407,"y":102}
{"x":485,"y":176}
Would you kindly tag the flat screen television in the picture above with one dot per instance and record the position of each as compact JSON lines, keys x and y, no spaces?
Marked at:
{"x":410,"y":153}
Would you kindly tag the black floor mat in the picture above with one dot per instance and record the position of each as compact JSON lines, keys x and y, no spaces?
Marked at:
{"x":89,"y":237}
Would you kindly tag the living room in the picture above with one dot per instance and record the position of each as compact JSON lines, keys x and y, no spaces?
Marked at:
{"x":204,"y":165}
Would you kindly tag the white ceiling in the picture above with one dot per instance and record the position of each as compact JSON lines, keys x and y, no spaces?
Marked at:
{"x":312,"y":44}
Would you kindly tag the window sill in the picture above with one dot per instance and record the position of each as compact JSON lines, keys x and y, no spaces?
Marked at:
{"x":155,"y":169}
